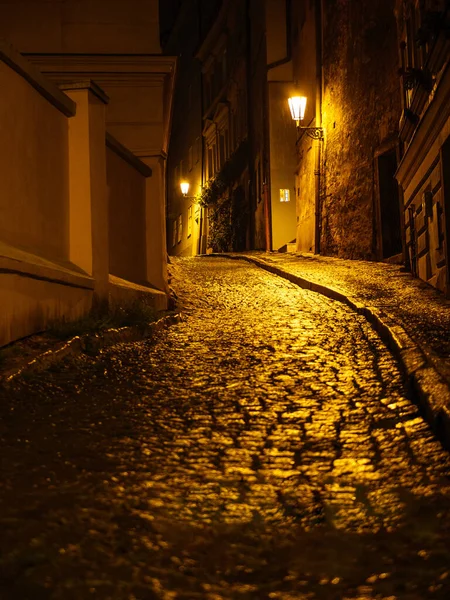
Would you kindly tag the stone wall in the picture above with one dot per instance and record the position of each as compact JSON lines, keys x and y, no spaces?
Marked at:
{"x":361,"y":109}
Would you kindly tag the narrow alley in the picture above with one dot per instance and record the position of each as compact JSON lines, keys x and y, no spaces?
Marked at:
{"x":263,"y":448}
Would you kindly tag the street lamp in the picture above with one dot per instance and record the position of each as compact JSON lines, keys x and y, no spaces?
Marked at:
{"x":184,"y":186}
{"x":297,"y":105}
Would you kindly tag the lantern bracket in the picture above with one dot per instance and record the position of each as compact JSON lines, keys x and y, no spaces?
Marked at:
{"x":315,"y":133}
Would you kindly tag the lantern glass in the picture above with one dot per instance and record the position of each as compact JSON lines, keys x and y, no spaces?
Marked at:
{"x":297,"y":104}
{"x":184,"y":185}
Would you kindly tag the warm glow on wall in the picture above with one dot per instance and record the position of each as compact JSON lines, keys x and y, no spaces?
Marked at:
{"x":184,"y":185}
{"x":297,"y":104}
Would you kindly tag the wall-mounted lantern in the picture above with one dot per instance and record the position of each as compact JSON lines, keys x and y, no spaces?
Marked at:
{"x":297,"y":105}
{"x":184,"y":186}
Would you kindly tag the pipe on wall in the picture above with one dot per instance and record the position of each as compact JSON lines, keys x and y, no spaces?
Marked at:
{"x":318,"y":143}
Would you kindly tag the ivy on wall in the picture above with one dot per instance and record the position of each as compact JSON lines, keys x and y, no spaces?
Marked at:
{"x":227,"y":207}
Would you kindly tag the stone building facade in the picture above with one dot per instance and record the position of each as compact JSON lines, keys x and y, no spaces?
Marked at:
{"x":185,"y":26}
{"x":247,"y":133}
{"x":223,"y":58}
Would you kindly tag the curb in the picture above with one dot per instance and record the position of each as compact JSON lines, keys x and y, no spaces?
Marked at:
{"x":430,"y":389}
{"x":88,"y":343}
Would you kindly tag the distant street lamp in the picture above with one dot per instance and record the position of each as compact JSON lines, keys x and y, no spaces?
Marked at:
{"x":184,"y":185}
{"x":297,"y":105}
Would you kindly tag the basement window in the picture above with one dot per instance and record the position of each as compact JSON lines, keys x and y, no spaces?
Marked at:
{"x":180,"y":228}
{"x":189,"y":223}
{"x":174,"y":233}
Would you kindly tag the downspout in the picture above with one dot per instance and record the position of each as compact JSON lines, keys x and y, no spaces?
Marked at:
{"x":318,"y":143}
{"x":273,"y":65}
{"x":266,"y":168}
{"x":202,"y":157}
{"x":251,"y":199}
{"x":288,"y":57}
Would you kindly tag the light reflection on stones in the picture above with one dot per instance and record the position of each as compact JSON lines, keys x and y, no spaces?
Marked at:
{"x":263,"y":449}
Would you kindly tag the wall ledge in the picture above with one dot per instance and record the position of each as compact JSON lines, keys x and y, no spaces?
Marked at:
{"x":25,"y":264}
{"x":86,"y":84}
{"x":127,"y":155}
{"x":123,"y":290}
{"x":34,"y":77}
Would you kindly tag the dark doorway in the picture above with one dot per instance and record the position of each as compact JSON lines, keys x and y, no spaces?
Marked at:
{"x":391,"y":239}
{"x":445,"y":173}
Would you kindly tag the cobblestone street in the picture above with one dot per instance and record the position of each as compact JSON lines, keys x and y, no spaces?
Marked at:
{"x":263,"y":448}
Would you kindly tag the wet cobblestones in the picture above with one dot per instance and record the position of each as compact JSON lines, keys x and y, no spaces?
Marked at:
{"x":423,"y":311}
{"x":262,"y":448}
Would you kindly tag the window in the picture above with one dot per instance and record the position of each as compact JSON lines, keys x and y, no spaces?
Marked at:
{"x":222,"y":156}
{"x":174,"y":233}
{"x":189,"y":226}
{"x":211,"y":166}
{"x":209,"y":163}
{"x":224,"y":66}
{"x":198,"y":149}
{"x":179,"y":228}
{"x":417,"y":38}
{"x":258,"y":181}
{"x":285,"y":195}
{"x":190,"y":158}
{"x":227,"y":144}
{"x":208,"y":89}
{"x":215,"y":165}
{"x":236,"y":132}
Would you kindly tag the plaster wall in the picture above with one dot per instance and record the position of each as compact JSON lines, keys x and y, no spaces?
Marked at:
{"x":304,"y":67}
{"x":127,"y":244}
{"x":82,"y":26}
{"x":135,"y":114}
{"x":140,"y":92}
{"x":123,"y":292}
{"x":38,"y":283}
{"x":34,"y":203}
{"x":139,"y":89}
{"x":155,"y":219}
{"x":276,"y":38}
{"x":89,"y":244}
{"x":179,"y":205}
{"x":29,"y":305}
{"x":283,"y":165}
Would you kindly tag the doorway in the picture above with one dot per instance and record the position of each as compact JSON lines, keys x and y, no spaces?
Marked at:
{"x":390,"y":239}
